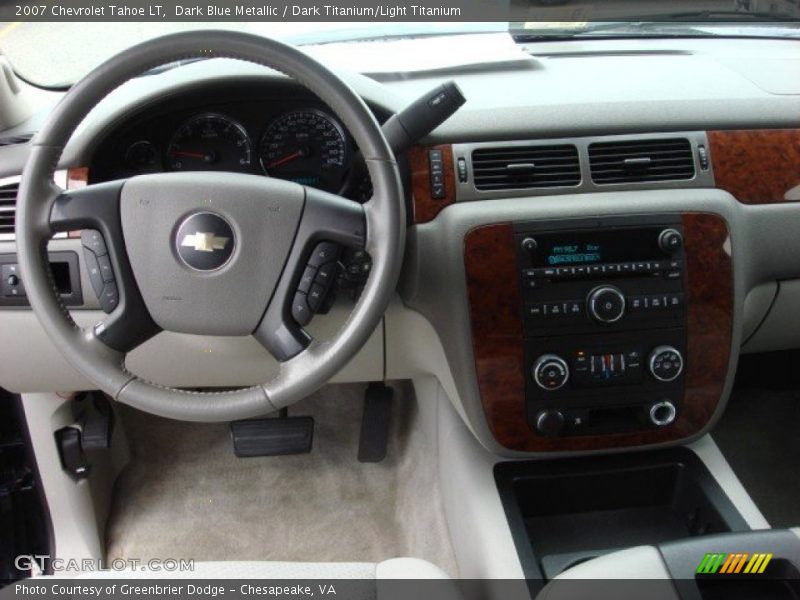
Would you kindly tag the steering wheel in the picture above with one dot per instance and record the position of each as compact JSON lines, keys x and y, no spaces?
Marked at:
{"x":209,"y":253}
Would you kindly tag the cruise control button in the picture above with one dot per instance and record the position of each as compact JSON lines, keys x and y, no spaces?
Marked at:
{"x":105,"y":268}
{"x":306,"y":280}
{"x":315,"y":296}
{"x":300,"y":311}
{"x":323,"y":253}
{"x":110,"y":297}
{"x":325,"y":273}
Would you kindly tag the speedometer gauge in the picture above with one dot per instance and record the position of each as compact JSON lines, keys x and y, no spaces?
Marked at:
{"x":209,"y":142}
{"x":306,"y":146}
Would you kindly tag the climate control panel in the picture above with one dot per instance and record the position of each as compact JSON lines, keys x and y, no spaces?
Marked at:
{"x":604,"y":321}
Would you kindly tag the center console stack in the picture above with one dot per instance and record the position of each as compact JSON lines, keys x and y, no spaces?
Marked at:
{"x":600,"y":332}
{"x":604,"y":323}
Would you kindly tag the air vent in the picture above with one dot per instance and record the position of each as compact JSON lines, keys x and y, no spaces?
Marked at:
{"x":521,"y":167}
{"x":13,"y":140}
{"x":639,"y":161}
{"x":8,"y":202}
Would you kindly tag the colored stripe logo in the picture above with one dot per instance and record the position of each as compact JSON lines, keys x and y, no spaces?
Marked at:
{"x":734,"y":563}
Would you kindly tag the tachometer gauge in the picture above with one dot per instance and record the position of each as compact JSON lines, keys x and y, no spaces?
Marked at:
{"x":306,"y":146}
{"x":209,"y":142}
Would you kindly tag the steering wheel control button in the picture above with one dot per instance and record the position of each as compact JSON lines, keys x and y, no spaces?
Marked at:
{"x":93,"y":240}
{"x":663,"y":413}
{"x":205,"y":241}
{"x":307,"y":279}
{"x":606,"y":304}
{"x":665,"y":363}
{"x":93,"y":268}
{"x":300,"y":311}
{"x":105,"y":268}
{"x":315,"y":296}
{"x":324,"y":252}
{"x":550,"y":372}
{"x":109,"y":298}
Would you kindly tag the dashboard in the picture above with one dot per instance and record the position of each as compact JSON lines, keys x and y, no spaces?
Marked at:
{"x":278,"y":131}
{"x":468,"y":312}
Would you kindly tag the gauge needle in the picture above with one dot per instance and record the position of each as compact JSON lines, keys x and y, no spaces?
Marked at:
{"x":198,"y":155}
{"x":287,"y":158}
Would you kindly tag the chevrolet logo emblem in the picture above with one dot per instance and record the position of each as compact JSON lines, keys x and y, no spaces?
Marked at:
{"x":204,"y":242}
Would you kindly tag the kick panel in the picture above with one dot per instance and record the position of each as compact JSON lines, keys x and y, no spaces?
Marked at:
{"x":592,"y":333}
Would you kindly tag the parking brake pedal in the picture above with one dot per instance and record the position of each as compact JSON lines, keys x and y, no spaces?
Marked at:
{"x":375,"y":423}
{"x":272,"y":436}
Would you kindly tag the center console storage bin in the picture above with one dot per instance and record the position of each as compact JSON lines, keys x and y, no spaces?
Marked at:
{"x":563,"y":512}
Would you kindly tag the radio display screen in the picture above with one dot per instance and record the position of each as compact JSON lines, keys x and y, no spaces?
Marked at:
{"x":594,"y":247}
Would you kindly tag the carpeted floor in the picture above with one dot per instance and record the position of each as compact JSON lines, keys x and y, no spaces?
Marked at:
{"x":185,"y":495}
{"x":760,"y":436}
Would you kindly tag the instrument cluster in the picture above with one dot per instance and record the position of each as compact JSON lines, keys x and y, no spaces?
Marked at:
{"x":298,"y":140}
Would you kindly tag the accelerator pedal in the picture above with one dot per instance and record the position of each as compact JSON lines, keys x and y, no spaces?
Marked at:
{"x":375,"y":423}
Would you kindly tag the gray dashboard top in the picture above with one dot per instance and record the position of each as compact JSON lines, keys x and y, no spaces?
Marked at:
{"x":565,"y":89}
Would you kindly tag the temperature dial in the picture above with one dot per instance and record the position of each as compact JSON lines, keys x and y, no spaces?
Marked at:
{"x":550,"y":372}
{"x":665,"y":363}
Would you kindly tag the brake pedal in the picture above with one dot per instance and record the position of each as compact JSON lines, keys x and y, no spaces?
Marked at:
{"x":375,"y":423}
{"x":272,"y":436}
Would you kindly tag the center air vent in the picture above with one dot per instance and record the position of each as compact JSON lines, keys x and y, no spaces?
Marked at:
{"x":638,"y":161}
{"x":521,"y":167}
{"x":8,"y":202}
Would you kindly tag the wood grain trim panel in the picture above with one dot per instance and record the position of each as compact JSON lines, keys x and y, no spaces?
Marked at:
{"x":77,"y":177}
{"x":760,"y":166}
{"x":426,"y":207}
{"x":497,"y":337}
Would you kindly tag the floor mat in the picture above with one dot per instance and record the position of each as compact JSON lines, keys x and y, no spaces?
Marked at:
{"x":760,"y":436}
{"x":185,"y":495}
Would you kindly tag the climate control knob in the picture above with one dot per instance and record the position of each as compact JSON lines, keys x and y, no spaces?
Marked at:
{"x":606,"y":304}
{"x":665,"y":363}
{"x":550,"y":372}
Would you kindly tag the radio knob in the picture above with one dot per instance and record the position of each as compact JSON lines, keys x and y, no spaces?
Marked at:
{"x":665,"y":363}
{"x":550,"y":372}
{"x":550,"y":422}
{"x":529,"y":245}
{"x":606,"y":304}
{"x":670,"y":241}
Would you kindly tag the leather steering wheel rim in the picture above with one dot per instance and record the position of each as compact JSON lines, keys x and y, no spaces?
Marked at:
{"x":298,"y":376}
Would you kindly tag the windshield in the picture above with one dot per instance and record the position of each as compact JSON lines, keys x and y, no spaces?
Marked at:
{"x":58,"y":54}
